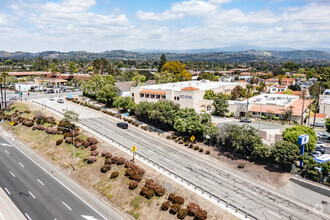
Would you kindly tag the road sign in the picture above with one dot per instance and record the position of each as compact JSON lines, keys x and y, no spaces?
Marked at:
{"x":12,"y":123}
{"x":70,"y":96}
{"x":2,"y":120}
{"x":192,"y":138}
{"x":303,"y":139}
{"x":133,"y":149}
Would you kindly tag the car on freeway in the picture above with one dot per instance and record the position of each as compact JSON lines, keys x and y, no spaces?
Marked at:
{"x":323,"y":136}
{"x":60,"y":101}
{"x":51,"y":98}
{"x":122,"y":125}
{"x":245,"y":120}
{"x":320,"y":149}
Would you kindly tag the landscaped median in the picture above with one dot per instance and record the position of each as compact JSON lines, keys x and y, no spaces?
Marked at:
{"x":137,"y":189}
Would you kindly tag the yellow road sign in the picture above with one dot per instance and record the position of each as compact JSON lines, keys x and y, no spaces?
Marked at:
{"x":12,"y":123}
{"x":192,"y":138}
{"x":133,"y":149}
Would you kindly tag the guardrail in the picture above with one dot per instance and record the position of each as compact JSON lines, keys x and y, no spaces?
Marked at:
{"x":206,"y":194}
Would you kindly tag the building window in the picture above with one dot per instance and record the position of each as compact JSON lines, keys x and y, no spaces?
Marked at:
{"x":163,"y":97}
{"x":208,"y":108}
{"x":152,"y":96}
{"x":147,"y":95}
{"x":141,"y":95}
{"x":133,"y":94}
{"x":157,"y":96}
{"x":174,"y":97}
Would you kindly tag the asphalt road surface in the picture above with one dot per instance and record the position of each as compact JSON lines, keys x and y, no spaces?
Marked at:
{"x":35,"y":193}
{"x":257,"y":200}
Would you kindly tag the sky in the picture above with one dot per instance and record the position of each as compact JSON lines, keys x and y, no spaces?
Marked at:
{"x":100,"y":25}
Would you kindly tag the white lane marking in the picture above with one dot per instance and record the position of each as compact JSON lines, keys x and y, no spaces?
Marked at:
{"x":21,"y":164}
{"x":40,"y":182}
{"x":7,"y":152}
{"x":282,"y":206}
{"x":7,"y":190}
{"x":239,"y":196}
{"x":12,"y":173}
{"x":89,"y":217}
{"x":8,"y":145}
{"x":27,"y":216}
{"x":274,"y":214}
{"x":32,"y":195}
{"x":67,"y":206}
{"x":6,"y":134}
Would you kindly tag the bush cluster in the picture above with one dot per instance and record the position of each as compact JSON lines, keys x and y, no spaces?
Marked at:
{"x":165,"y":205}
{"x":174,"y":208}
{"x":133,"y":171}
{"x":51,"y":130}
{"x":105,"y":168}
{"x":182,"y":213}
{"x":93,"y":147}
{"x":91,"y":159}
{"x":133,"y":184}
{"x":152,"y":188}
{"x":94,"y":153}
{"x":92,"y":141}
{"x":38,"y":127}
{"x":195,"y":210}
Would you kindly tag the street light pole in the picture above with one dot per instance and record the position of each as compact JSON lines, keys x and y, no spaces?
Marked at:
{"x":74,"y":149}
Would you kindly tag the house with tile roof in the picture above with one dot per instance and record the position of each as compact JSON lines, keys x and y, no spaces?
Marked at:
{"x":189,"y":94}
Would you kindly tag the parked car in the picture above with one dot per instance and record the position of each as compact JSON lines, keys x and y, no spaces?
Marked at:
{"x":316,"y":153}
{"x":49,"y":92}
{"x":323,"y":136}
{"x":245,"y":120}
{"x":320,"y":144}
{"x":51,"y":98}
{"x":122,"y":125}
{"x":77,"y":90}
{"x":60,"y":101}
{"x":319,"y":124}
{"x":320,"y":149}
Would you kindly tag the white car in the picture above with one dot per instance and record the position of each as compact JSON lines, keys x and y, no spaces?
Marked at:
{"x":320,"y":124}
{"x":323,"y":136}
{"x":51,"y":98}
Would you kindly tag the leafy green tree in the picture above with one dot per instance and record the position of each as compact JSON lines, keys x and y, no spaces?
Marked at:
{"x":147,"y":74}
{"x":291,"y":66}
{"x":291,"y":135}
{"x":209,"y":94}
{"x":40,"y":64}
{"x":178,"y":69}
{"x":327,"y":125}
{"x":70,"y":116}
{"x":162,"y":62}
{"x":124,"y":103}
{"x":107,"y":94}
{"x":236,"y":93}
{"x":142,"y":109}
{"x":309,"y":169}
{"x":72,"y":68}
{"x":164,"y":77}
{"x":138,"y":79}
{"x":285,"y":154}
{"x":208,"y":76}
{"x":164,"y":112}
{"x":220,"y":104}
{"x":294,"y":87}
{"x":288,"y":92}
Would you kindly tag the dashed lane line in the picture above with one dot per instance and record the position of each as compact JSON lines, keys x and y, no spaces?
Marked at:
{"x":40,"y":182}
{"x":12,"y":173}
{"x":67,"y":206}
{"x":21,"y":164}
{"x":7,"y":190}
{"x":32,"y":195}
{"x":273,"y":213}
{"x":7,"y":152}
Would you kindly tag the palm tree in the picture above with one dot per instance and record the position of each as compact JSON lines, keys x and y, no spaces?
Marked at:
{"x":247,"y":101}
{"x":1,"y":93}
{"x":4,"y":75}
{"x":290,"y":113}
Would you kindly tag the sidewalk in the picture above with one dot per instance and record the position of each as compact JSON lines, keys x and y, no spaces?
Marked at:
{"x":8,"y":210}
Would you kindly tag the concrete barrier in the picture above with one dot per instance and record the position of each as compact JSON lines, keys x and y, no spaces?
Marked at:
{"x":278,"y":137}
{"x":312,"y":186}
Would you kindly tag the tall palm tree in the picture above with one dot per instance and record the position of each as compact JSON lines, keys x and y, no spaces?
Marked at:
{"x":4,"y":75}
{"x":1,"y":80}
{"x":247,"y":101}
{"x":290,"y":113}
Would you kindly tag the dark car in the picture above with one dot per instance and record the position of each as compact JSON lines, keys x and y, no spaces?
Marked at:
{"x":321,"y":149}
{"x":245,"y":120}
{"x":122,"y":125}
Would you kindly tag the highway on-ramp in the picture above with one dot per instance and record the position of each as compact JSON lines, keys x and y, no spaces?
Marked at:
{"x":251,"y":197}
{"x":35,"y":192}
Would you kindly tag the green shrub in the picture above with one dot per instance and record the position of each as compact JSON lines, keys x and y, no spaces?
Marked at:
{"x":201,"y":149}
{"x":186,"y":143}
{"x":263,"y":117}
{"x":182,"y":213}
{"x":276,"y":118}
{"x":196,"y":147}
{"x":207,"y":152}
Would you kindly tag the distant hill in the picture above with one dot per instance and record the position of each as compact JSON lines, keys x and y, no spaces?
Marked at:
{"x":211,"y":55}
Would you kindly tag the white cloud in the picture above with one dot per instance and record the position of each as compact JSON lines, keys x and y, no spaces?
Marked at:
{"x":166,"y":15}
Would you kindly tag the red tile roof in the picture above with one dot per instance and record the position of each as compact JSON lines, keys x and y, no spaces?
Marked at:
{"x":189,"y":89}
{"x":27,"y":73}
{"x":153,"y":92}
{"x":319,"y":115}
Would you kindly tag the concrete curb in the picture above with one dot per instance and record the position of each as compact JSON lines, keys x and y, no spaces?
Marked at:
{"x":311,"y":186}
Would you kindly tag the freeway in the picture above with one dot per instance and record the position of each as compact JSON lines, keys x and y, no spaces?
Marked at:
{"x":36,"y":193}
{"x":256,"y":199}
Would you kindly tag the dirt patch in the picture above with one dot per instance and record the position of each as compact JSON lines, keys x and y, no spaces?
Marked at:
{"x":114,"y":191}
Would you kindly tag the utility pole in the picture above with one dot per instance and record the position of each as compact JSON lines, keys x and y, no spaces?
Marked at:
{"x":302,"y":110}
{"x":317,"y":104}
{"x":260,"y":115}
